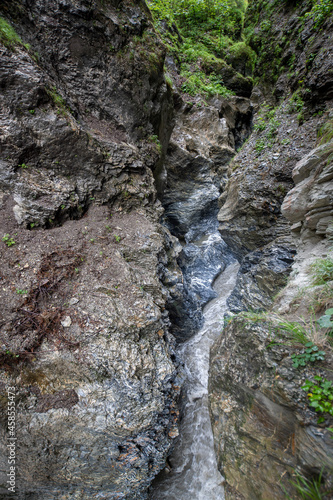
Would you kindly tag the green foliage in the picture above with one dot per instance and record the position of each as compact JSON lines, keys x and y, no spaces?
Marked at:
{"x":198,"y":33}
{"x":21,"y":292}
{"x":155,"y":140}
{"x":199,"y":83}
{"x":295,"y":103}
{"x":273,"y":47}
{"x":309,"y":355}
{"x":297,"y":333}
{"x":224,"y":17}
{"x":325,"y":133}
{"x":268,"y":124}
{"x":11,"y":354}
{"x":8,"y":240}
{"x":326,"y":321}
{"x":58,"y":100}
{"x":309,"y":489}
{"x":117,"y":238}
{"x":322,"y":270}
{"x":261,"y":124}
{"x":320,"y":11}
{"x":260,"y":145}
{"x":241,"y":56}
{"x":320,"y":395}
{"x":271,"y":130}
{"x":8,"y":36}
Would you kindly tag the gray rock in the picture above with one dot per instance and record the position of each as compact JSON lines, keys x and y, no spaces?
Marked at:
{"x":310,"y":202}
{"x":262,"y":426}
{"x":97,"y":409}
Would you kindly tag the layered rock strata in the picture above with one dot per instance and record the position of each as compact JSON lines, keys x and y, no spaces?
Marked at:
{"x":264,"y":429}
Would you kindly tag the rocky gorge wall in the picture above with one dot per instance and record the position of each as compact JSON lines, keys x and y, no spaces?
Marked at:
{"x":84,"y":326}
{"x":265,"y":432}
{"x":95,"y":290}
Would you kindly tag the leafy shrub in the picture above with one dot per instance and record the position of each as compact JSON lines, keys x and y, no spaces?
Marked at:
{"x":199,"y":83}
{"x":320,"y":395}
{"x":268,"y":123}
{"x":260,"y":145}
{"x":198,"y":33}
{"x":295,"y":103}
{"x":310,"y":355}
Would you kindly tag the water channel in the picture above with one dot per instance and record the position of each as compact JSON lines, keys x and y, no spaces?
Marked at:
{"x":193,"y":473}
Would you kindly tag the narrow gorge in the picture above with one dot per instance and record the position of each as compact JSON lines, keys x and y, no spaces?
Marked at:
{"x":166,"y":199}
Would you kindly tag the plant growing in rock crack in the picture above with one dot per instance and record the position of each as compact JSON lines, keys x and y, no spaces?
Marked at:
{"x":8,"y":240}
{"x":11,"y":354}
{"x":294,"y":332}
{"x":9,"y":37}
{"x":310,"y":354}
{"x":309,"y":489}
{"x":296,"y":103}
{"x":320,"y":394}
{"x":303,"y":333}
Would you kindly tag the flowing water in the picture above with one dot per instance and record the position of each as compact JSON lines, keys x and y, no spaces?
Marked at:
{"x":193,"y":474}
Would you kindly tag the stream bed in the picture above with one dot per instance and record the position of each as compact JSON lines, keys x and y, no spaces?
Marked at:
{"x":193,"y":473}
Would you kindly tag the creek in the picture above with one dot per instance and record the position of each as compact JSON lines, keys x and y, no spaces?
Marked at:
{"x":192,"y":472}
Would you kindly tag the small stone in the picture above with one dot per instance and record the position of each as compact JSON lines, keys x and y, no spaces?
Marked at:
{"x":73,"y":301}
{"x":26,"y":266}
{"x":66,"y":322}
{"x":173,"y":433}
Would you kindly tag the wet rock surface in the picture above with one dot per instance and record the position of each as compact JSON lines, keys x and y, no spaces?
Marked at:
{"x":194,"y":173}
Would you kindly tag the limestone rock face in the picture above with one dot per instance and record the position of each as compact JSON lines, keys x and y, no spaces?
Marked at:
{"x":251,"y":221}
{"x":260,"y":414}
{"x":278,"y":188}
{"x":309,"y":205}
{"x":84,"y":328}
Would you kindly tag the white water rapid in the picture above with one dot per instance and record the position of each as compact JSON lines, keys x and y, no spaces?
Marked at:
{"x":194,"y":474}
